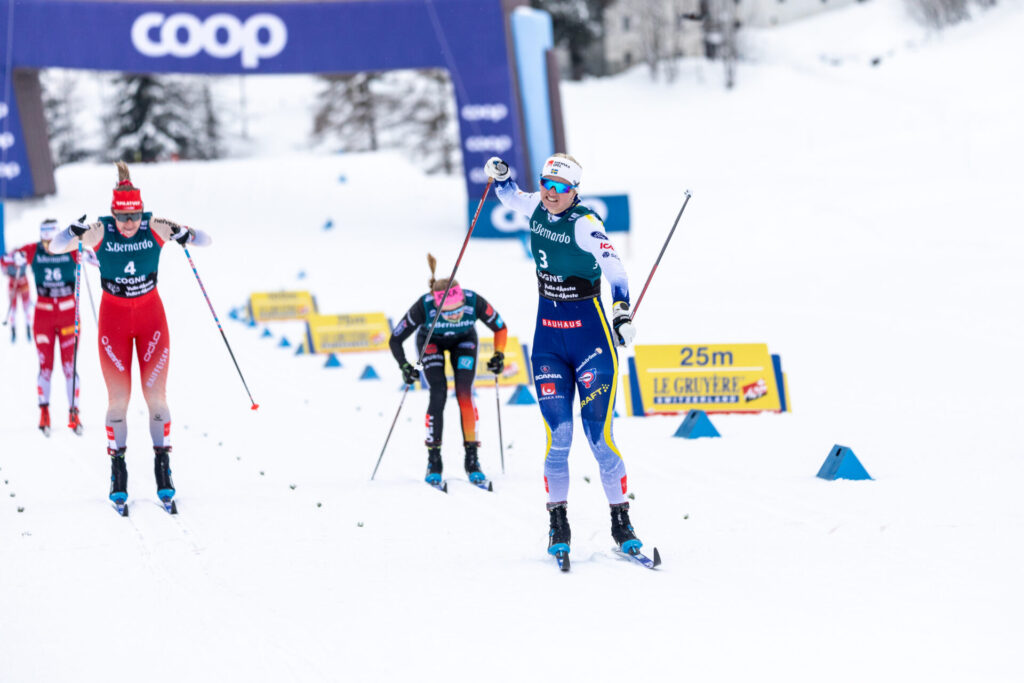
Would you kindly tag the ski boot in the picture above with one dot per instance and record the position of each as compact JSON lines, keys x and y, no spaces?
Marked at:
{"x":622,"y":530}
{"x":473,"y":463}
{"x":559,"y":534}
{"x":434,"y":466}
{"x":14,"y":334}
{"x":118,"y":479}
{"x":44,"y":419}
{"x":74,"y":423}
{"x":164,"y":483}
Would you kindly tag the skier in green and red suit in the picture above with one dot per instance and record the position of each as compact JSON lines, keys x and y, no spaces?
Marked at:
{"x":54,"y":321}
{"x":127,"y":245}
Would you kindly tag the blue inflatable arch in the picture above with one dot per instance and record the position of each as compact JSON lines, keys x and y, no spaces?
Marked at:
{"x":497,"y":53}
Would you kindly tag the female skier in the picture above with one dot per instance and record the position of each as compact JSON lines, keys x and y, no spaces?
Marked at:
{"x":573,"y":344}
{"x":127,"y":245}
{"x":16,"y":271}
{"x":54,"y":322}
{"x":455,"y":333}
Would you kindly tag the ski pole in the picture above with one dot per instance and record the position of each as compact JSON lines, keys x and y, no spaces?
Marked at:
{"x":209,"y":303}
{"x":92,"y":305}
{"x":663,"y":247}
{"x":430,"y":332}
{"x":74,"y":363}
{"x":501,"y":440}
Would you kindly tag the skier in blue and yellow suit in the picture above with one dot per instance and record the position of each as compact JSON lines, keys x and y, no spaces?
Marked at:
{"x":574,"y":344}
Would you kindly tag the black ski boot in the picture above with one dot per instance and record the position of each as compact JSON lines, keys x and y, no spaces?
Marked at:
{"x":434,"y":465}
{"x":162,"y":469}
{"x":559,"y":534}
{"x":118,"y":477}
{"x":622,"y":530}
{"x":476,"y":475}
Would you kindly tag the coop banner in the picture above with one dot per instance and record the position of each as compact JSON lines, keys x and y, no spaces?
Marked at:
{"x":349,"y":332}
{"x":734,"y":378}
{"x":269,"y":306}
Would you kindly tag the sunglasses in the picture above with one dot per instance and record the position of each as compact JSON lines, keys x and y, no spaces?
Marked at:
{"x":125,"y":217}
{"x":560,"y":188}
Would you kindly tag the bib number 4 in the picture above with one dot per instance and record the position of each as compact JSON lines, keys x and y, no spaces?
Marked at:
{"x":130,"y":268}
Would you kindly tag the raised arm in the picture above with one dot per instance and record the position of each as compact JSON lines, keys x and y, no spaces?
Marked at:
{"x":169,"y":230}
{"x":67,"y":239}
{"x":506,"y":189}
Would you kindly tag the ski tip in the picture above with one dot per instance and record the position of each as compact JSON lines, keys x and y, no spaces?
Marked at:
{"x":444,"y":487}
{"x":490,"y":486}
{"x":657,"y":557}
{"x":563,"y":561}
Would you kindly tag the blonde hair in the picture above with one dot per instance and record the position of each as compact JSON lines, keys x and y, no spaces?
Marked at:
{"x":124,"y":177}
{"x":437,"y":285}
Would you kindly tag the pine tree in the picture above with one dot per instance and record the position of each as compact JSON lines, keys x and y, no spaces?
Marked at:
{"x":426,"y":123}
{"x":156,"y":117}
{"x":578,"y":25}
{"x":60,"y":102}
{"x":347,"y":112}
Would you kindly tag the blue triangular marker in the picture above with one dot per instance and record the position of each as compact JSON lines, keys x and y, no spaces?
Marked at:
{"x":841,"y":463}
{"x":302,"y":275}
{"x":369,"y":373}
{"x":251,"y":322}
{"x":329,"y":224}
{"x":284,"y":342}
{"x":300,"y":349}
{"x":615,"y":413}
{"x":267,"y":332}
{"x":521,"y":396}
{"x":233,"y":314}
{"x":696,"y":425}
{"x":332,"y":362}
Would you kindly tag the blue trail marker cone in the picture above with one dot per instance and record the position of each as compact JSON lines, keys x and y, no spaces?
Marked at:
{"x":267,"y":332}
{"x":369,"y":373}
{"x":251,"y":322}
{"x":329,"y":224}
{"x":695,"y":425}
{"x":841,"y":463}
{"x":233,"y":314}
{"x":521,"y":396}
{"x":332,"y":362}
{"x":300,"y":349}
{"x":284,"y":342}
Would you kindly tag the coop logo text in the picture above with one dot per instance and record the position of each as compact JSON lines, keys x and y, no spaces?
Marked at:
{"x":221,"y":35}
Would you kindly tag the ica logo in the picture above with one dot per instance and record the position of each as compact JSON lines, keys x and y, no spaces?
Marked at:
{"x":220,"y":35}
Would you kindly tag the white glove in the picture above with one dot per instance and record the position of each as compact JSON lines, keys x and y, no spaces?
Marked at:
{"x":624,"y":329}
{"x":497,"y":169}
{"x":181,"y":234}
{"x":19,"y":259}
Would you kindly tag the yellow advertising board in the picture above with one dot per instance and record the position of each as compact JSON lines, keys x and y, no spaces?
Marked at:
{"x":724,"y":378}
{"x":270,"y":306}
{"x":349,"y":332}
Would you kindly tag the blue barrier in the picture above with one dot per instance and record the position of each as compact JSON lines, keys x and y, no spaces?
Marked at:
{"x":332,"y":362}
{"x":842,"y":463}
{"x":696,"y":425}
{"x":369,"y":373}
{"x":521,"y":396}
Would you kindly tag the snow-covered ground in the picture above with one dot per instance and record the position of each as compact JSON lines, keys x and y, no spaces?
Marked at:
{"x":862,"y":220}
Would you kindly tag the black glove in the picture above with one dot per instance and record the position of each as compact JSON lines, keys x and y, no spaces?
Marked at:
{"x":409,"y":373}
{"x":497,"y":363}
{"x":79,"y":227}
{"x":181,"y":234}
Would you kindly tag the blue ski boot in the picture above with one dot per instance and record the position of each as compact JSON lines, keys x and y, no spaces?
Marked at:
{"x":622,"y":530}
{"x":118,"y":477}
{"x":476,"y":475}
{"x":559,"y":534}
{"x":434,"y":465}
{"x":162,"y":469}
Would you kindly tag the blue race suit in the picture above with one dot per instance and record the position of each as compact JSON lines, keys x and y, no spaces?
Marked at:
{"x":573,"y":344}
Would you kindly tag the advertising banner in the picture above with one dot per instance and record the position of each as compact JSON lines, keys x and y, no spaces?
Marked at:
{"x":732,"y":378}
{"x":268,"y":306}
{"x":349,"y":332}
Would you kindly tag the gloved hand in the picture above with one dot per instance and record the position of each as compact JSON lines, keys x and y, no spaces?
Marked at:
{"x":409,"y":373}
{"x":19,"y":259}
{"x":497,"y":169}
{"x":181,"y":234}
{"x":624,"y":329}
{"x":79,"y":227}
{"x":497,"y":363}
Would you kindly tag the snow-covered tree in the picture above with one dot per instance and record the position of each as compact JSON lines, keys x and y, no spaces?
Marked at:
{"x":60,"y":102}
{"x":347,"y":111}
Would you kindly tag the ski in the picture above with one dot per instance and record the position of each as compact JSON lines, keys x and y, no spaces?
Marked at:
{"x":642,"y":559}
{"x":485,"y":484}
{"x":46,"y":431}
{"x":563,"y":560}
{"x":169,"y":505}
{"x":121,"y":507}
{"x":441,"y":486}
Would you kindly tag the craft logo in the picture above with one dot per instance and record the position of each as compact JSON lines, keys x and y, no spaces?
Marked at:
{"x":603,"y":389}
{"x":221,"y":36}
{"x":561,"y":324}
{"x":587,"y":378}
{"x":755,"y":390}
{"x":547,"y":389}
